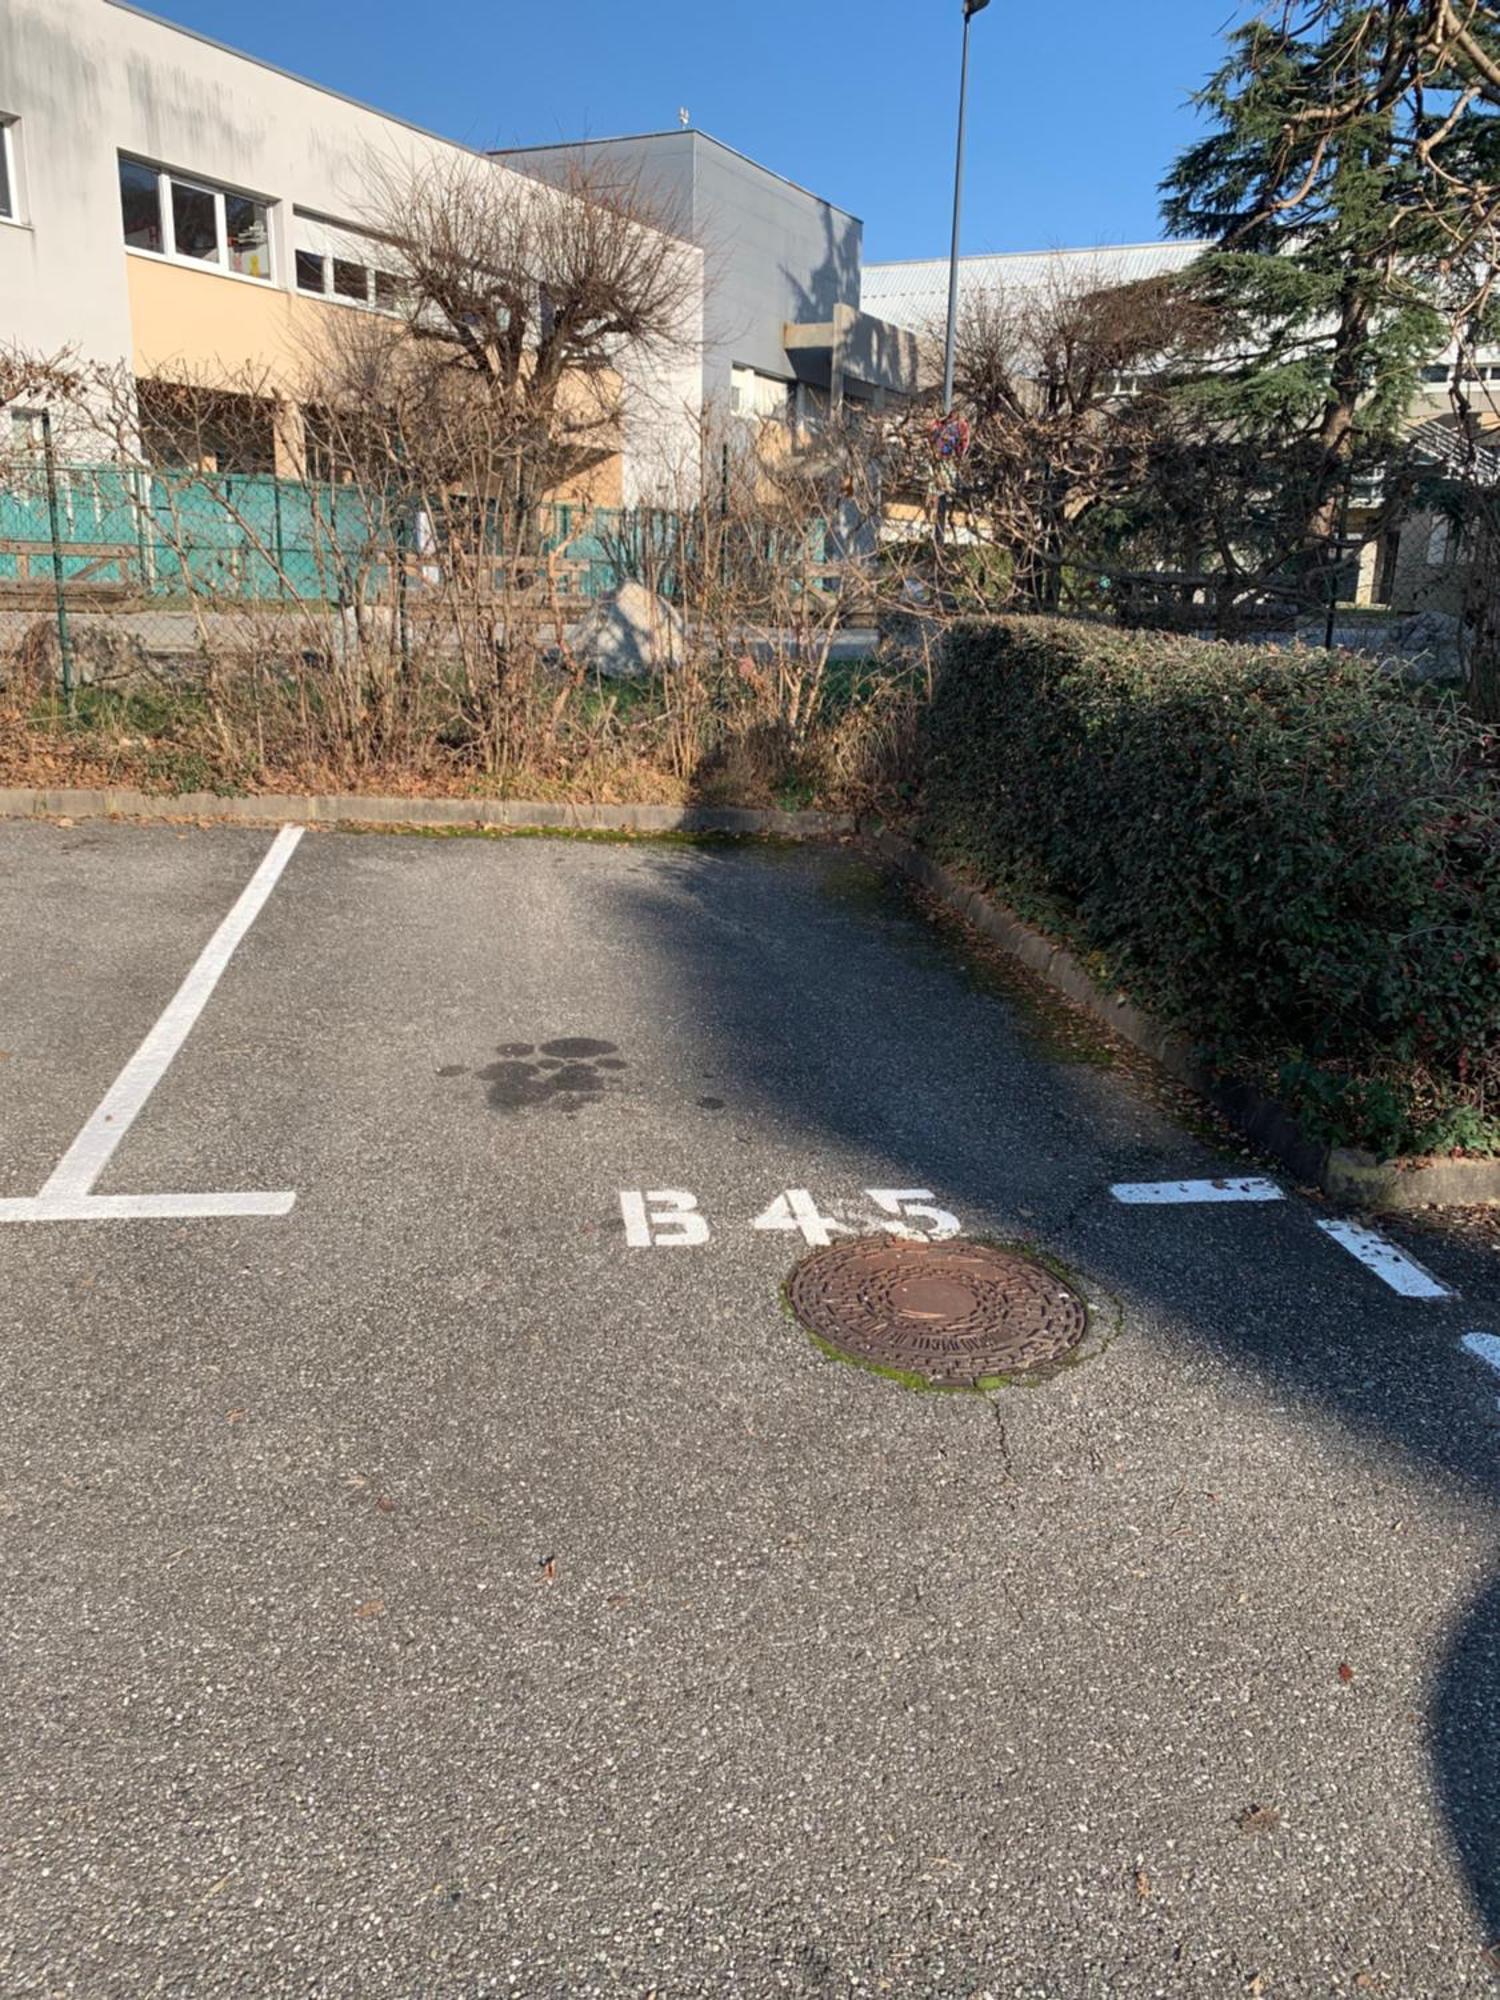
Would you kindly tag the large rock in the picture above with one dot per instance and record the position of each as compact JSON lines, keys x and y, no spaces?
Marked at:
{"x":629,"y":635}
{"x":106,"y":653}
{"x":1430,"y":644}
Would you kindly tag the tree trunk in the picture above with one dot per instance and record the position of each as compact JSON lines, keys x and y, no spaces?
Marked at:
{"x":1336,"y":432}
{"x":1481,"y":620}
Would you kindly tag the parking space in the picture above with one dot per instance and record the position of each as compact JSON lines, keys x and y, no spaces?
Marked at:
{"x":93,"y":954}
{"x":447,"y":1569}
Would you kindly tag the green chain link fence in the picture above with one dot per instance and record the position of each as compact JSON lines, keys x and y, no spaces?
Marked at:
{"x":154,"y":559}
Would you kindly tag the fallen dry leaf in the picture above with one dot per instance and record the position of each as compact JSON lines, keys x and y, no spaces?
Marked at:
{"x":1258,"y":1819}
{"x":373,"y":1607}
{"x":548,"y":1567}
{"x":234,"y":1417}
{"x":385,"y":1504}
{"x":1142,"y":1884}
{"x":1346,"y":1672}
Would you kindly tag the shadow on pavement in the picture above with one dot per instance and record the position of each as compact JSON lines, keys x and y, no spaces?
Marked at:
{"x":789,"y":955}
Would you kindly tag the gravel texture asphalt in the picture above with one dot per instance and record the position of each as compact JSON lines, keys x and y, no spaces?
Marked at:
{"x":426,"y":1596}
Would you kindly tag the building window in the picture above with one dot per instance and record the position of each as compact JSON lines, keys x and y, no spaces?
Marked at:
{"x":336,"y":260}
{"x":140,"y":202}
{"x":248,"y":236}
{"x":8,"y":201}
{"x":194,"y":221}
{"x":194,"y":429}
{"x":1439,"y":542}
{"x":759,"y":398}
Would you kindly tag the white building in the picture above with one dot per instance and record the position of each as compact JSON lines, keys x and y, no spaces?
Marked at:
{"x":914,"y":294}
{"x":168,"y":203}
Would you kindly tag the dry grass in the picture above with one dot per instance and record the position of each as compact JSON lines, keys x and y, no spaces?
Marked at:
{"x":698,"y":737}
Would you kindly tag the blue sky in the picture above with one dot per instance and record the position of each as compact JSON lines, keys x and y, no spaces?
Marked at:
{"x":1076,"y":109}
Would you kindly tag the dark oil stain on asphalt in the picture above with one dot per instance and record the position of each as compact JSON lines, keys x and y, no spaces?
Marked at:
{"x":562,"y":1075}
{"x":709,"y":1103}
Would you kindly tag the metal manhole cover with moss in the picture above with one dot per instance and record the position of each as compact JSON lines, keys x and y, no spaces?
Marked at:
{"x":947,"y":1315}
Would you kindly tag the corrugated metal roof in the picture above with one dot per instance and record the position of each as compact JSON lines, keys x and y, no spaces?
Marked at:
{"x":915,"y":294}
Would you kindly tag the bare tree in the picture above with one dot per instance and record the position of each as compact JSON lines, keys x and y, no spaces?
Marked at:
{"x":1058,"y":384}
{"x":37,"y":378}
{"x":518,"y":302}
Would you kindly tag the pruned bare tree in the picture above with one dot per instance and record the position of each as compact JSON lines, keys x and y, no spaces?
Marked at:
{"x":37,"y":378}
{"x":518,"y":305}
{"x":1059,"y":384}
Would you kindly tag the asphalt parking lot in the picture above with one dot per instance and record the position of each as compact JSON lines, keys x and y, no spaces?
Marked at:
{"x":433,"y":1567}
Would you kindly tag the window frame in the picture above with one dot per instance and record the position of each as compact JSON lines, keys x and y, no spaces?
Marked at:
{"x":354,"y":248}
{"x":318,"y":257}
{"x":218,"y":261}
{"x":166,"y":179}
{"x":369,"y":301}
{"x":9,"y":170}
{"x":336,"y":288}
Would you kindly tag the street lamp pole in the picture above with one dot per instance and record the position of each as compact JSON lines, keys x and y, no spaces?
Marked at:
{"x":950,"y":349}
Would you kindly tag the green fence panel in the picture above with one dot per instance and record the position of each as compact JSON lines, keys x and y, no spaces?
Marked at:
{"x":255,"y":538}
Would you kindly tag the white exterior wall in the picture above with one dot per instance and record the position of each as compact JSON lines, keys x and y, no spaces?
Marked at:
{"x":88,"y":79}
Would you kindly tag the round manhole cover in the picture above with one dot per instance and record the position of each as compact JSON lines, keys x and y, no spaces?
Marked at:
{"x":952,"y":1315}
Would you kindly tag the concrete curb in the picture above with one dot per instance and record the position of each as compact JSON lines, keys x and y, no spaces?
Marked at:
{"x":1353,"y":1178}
{"x":353,"y":809}
{"x":1357,"y":1179}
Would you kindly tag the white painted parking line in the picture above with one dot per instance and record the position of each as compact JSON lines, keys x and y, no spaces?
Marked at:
{"x":1392,"y":1266}
{"x":139,"y":1207}
{"x":1484,"y":1347}
{"x":67,"y":1195}
{"x":1184,"y":1191}
{"x":89,"y":1154}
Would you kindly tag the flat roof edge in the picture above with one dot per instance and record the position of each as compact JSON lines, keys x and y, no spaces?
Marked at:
{"x":681,"y":132}
{"x":1051,"y":250}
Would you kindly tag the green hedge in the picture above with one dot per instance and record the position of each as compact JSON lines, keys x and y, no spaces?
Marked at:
{"x":1292,"y":853}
